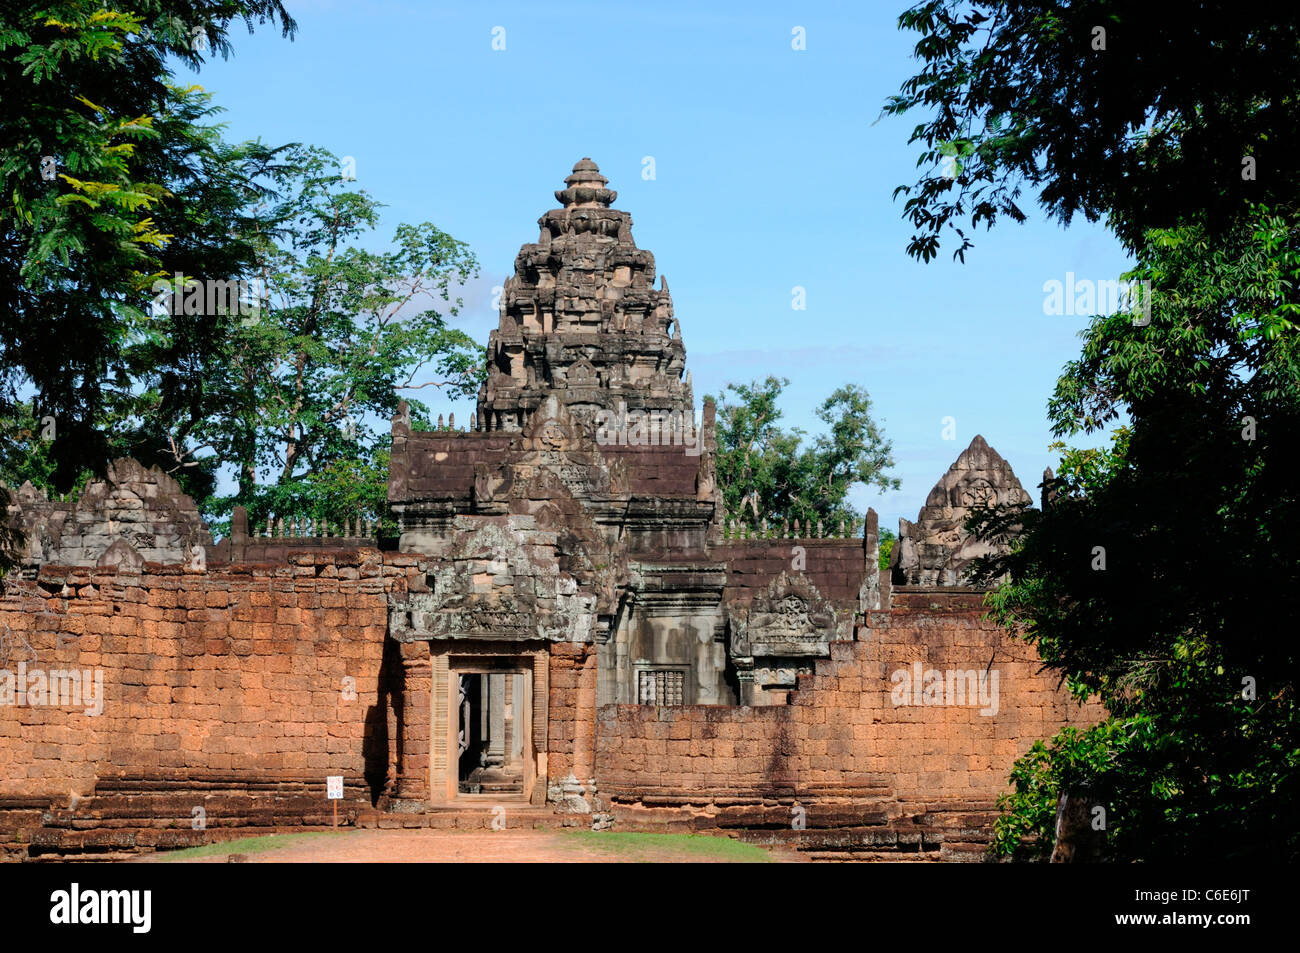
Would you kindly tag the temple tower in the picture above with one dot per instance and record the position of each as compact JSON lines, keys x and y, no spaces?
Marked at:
{"x":581,"y":318}
{"x":936,"y":550}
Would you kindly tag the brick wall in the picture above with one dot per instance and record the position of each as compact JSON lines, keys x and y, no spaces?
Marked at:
{"x":836,"y":567}
{"x":240,"y":671}
{"x":842,"y":727}
{"x":572,"y":718}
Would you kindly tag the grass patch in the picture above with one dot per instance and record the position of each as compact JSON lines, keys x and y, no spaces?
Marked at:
{"x":646,"y":847}
{"x":245,"y":845}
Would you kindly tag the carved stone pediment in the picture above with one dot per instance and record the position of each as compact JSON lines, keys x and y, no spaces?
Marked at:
{"x":560,"y":458}
{"x":493,"y":584}
{"x":552,"y":428}
{"x":789,"y":618}
{"x":553,"y":495}
{"x":936,"y":549}
{"x":143,"y":508}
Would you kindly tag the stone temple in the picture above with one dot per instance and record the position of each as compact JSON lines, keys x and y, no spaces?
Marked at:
{"x":567,"y":624}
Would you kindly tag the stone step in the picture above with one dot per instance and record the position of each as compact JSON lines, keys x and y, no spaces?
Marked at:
{"x":813,"y":815}
{"x":23,"y":802}
{"x":98,"y":857}
{"x":513,"y":816}
{"x":128,"y":805}
{"x":868,"y":856}
{"x":225,"y":784}
{"x":129,"y":820}
{"x":662,"y":797}
{"x":178,"y":810}
{"x":269,"y":817}
{"x":49,"y":844}
{"x":13,"y":821}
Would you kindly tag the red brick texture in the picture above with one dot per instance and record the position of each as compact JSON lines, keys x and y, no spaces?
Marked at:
{"x":571,"y":722}
{"x":842,"y":727}
{"x":285,"y":674}
{"x":254,"y":671}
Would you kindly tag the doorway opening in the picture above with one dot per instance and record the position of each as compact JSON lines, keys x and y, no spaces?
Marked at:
{"x":492,"y":717}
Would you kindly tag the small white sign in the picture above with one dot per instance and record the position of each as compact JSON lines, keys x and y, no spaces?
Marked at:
{"x":334,"y":787}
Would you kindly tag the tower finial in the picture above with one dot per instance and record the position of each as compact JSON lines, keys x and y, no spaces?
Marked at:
{"x":586,"y":187}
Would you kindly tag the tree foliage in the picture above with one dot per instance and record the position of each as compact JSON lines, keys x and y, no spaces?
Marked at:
{"x":104,"y":181}
{"x":887,"y":540}
{"x":768,"y":472}
{"x":293,"y":390}
{"x":123,"y":200}
{"x":1157,"y":577}
{"x":1116,"y":109}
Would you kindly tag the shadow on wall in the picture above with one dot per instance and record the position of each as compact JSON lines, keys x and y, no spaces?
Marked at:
{"x":383,"y":723}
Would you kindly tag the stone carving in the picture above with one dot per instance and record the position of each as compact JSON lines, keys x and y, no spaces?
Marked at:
{"x":622,"y":542}
{"x":574,"y":319}
{"x":778,"y":635}
{"x":144,"y":509}
{"x":581,"y":372}
{"x":979,"y":492}
{"x":935,"y":550}
{"x":551,"y":428}
{"x":539,"y":568}
{"x":122,"y":555}
{"x":494,"y":580}
{"x":790,"y":618}
{"x":604,"y":540}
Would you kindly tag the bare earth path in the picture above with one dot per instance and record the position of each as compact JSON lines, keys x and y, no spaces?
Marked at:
{"x":507,"y":846}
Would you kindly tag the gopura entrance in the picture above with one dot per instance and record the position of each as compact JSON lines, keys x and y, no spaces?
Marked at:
{"x":487,"y":722}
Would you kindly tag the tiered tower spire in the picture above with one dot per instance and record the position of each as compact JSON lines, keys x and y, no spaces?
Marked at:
{"x":581,"y":318}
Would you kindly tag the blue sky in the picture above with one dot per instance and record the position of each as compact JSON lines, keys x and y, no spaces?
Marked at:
{"x":771,"y":171}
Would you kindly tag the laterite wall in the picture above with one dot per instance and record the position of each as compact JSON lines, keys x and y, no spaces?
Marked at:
{"x":842,"y":727}
{"x":257,"y":671}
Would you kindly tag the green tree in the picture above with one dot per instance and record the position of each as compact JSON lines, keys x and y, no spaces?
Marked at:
{"x":1113,"y":582}
{"x":1109,"y":109}
{"x":887,"y":540}
{"x":1155,"y":578}
{"x":766,"y":472}
{"x":104,"y":183}
{"x":291,"y":393}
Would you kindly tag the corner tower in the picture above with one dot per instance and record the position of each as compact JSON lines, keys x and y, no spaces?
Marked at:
{"x":581,"y":319}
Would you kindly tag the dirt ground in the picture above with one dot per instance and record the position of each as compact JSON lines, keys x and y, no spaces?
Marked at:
{"x":438,"y":846}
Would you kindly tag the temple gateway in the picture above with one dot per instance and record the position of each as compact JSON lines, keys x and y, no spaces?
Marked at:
{"x":567,"y":624}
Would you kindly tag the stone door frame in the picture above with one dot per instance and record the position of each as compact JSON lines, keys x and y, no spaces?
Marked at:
{"x":450,"y":661}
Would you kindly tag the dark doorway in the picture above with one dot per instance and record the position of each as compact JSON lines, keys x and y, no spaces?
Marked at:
{"x":488,"y":733}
